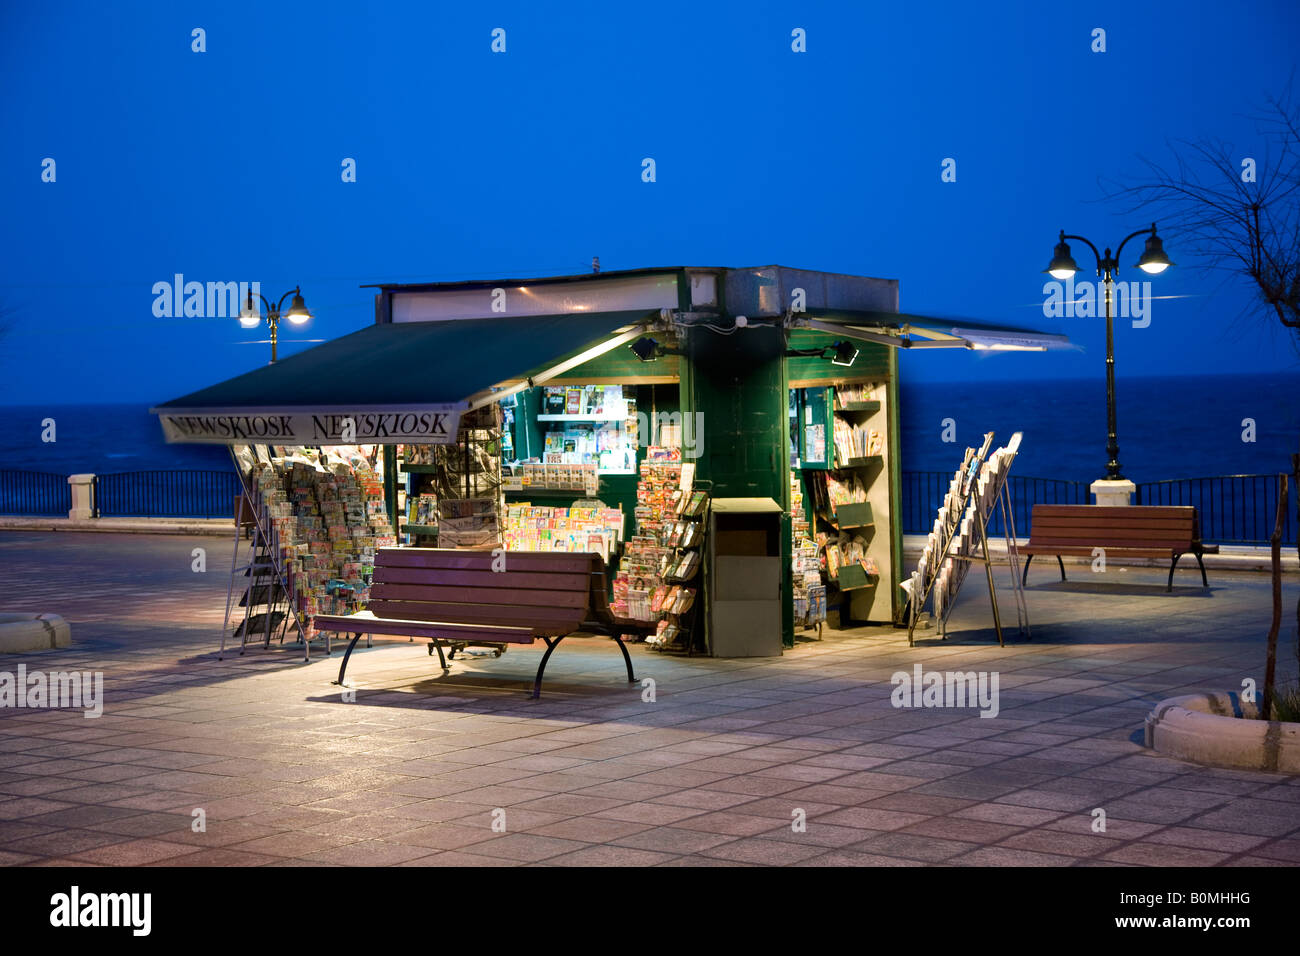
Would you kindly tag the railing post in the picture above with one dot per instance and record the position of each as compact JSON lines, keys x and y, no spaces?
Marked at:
{"x":83,"y":497}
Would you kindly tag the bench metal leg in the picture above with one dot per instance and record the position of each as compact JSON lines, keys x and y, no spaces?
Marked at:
{"x":631,"y":678}
{"x":551,"y":645}
{"x":1025,"y":576}
{"x":437,"y":646}
{"x":1170,"y":585}
{"x":1062,"y":564}
{"x":1204,"y":582}
{"x":346,"y":654}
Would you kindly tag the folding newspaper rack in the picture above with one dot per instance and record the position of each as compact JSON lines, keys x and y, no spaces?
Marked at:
{"x":960,"y":538}
{"x":267,"y":584}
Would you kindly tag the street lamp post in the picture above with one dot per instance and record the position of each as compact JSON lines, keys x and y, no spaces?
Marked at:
{"x":1153,"y":261}
{"x":250,"y":318}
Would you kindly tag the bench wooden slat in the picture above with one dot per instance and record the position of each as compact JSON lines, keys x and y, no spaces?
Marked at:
{"x":504,"y":580}
{"x":366,"y":623}
{"x":487,"y":597}
{"x":1158,"y":524}
{"x":1078,"y":536}
{"x":1085,"y":550}
{"x":1117,"y":541}
{"x":1106,"y":511}
{"x":542,"y":619}
{"x":447,"y":559}
{"x":1149,"y":524}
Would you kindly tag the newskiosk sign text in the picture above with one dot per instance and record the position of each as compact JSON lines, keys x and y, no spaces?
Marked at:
{"x":431,"y":426}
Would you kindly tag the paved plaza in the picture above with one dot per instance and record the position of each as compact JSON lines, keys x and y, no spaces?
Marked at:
{"x":464,"y":769}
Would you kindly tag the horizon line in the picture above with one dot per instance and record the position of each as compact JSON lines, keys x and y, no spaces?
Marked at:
{"x":902,"y":382}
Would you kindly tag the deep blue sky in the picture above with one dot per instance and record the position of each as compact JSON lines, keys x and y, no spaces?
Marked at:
{"x":225,"y":165}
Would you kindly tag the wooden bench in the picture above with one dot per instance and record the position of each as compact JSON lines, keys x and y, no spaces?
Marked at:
{"x":453,"y":598}
{"x":1134,"y":531}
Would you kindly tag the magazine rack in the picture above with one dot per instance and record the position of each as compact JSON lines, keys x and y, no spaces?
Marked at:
{"x":267,"y":584}
{"x":960,"y":538}
{"x":683,"y":575}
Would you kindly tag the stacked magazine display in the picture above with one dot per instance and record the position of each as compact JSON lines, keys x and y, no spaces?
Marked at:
{"x":592,"y":425}
{"x":530,"y":528}
{"x":658,"y":576}
{"x":676,"y":597}
{"x":645,"y":557}
{"x":805,"y":567}
{"x":317,"y":517}
{"x":959,"y":538}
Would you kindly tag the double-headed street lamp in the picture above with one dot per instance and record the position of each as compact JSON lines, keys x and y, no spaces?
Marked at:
{"x":250,"y":318}
{"x":1153,"y":261}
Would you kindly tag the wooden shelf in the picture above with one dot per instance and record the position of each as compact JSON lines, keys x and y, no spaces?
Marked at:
{"x":853,"y":578}
{"x":419,"y":469}
{"x":866,"y":462}
{"x":856,"y":514}
{"x":419,"y":529}
{"x":859,"y":407}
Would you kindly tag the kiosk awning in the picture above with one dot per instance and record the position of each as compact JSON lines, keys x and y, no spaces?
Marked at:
{"x":901,"y":330}
{"x":389,"y":383}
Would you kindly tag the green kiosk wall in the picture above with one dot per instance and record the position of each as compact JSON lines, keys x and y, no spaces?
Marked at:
{"x":740,"y":385}
{"x":736,"y":384}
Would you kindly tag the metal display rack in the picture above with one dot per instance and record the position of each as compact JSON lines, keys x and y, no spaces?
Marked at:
{"x":267,"y":585}
{"x":690,"y":634}
{"x":981,"y":488}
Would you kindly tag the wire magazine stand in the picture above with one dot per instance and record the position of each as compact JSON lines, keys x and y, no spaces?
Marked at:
{"x":960,"y":538}
{"x":267,"y":584}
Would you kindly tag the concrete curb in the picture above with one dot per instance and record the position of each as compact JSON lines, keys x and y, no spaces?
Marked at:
{"x":214,"y":526}
{"x":20,"y":632}
{"x":1222,"y":730}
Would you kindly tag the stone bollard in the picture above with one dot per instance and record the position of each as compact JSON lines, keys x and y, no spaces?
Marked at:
{"x":83,"y":493}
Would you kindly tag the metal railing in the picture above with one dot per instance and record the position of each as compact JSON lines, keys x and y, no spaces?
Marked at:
{"x":1237,"y":509}
{"x":166,"y":494}
{"x":1233,"y":509}
{"x":38,"y":493}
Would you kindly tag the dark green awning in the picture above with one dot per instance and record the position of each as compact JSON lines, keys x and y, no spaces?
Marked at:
{"x":395,"y":381}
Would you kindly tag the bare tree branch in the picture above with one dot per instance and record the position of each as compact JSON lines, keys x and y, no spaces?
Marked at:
{"x":1245,"y":226}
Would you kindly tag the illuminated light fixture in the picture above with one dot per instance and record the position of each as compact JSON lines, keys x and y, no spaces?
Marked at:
{"x":249,"y":317}
{"x":1006,"y":341}
{"x":297,"y":313}
{"x":1153,"y":260}
{"x":846,"y":353}
{"x":645,"y":348}
{"x":1062,"y":265}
